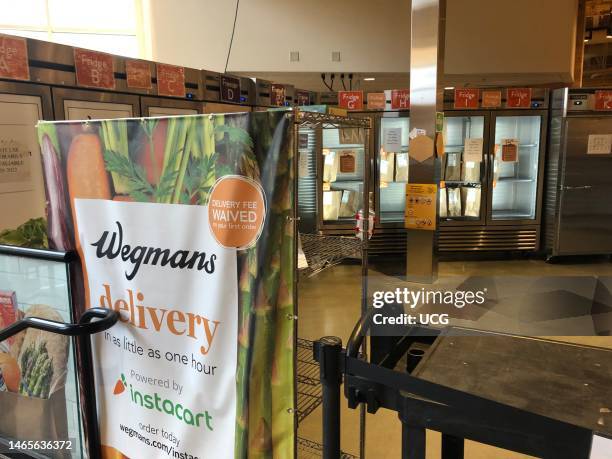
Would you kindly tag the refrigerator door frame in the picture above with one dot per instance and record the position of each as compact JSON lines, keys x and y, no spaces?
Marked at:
{"x":147,"y":102}
{"x":543,"y":114}
{"x":376,"y":124}
{"x":31,"y":89}
{"x":337,"y":226}
{"x":62,"y":94}
{"x":485,"y":184}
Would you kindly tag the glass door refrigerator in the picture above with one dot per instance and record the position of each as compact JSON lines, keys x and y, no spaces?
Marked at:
{"x":341,"y":171}
{"x":499,"y":204}
{"x":390,"y":175}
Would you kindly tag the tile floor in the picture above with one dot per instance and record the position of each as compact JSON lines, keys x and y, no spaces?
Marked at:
{"x":329,"y":304}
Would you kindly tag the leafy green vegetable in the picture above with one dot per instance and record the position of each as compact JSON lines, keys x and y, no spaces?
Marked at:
{"x":32,"y":233}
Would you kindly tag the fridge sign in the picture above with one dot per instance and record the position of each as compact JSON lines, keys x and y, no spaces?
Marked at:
{"x":138,"y":74}
{"x":170,"y":80}
{"x":277,"y":95}
{"x":230,"y":89}
{"x":400,"y":99}
{"x":14,"y":58}
{"x":350,"y":100}
{"x":94,"y":69}
{"x":518,"y":98}
{"x":603,"y":100}
{"x":466,"y":98}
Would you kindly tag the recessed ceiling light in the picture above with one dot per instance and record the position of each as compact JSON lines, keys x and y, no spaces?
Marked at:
{"x":448,"y":88}
{"x":369,"y":79}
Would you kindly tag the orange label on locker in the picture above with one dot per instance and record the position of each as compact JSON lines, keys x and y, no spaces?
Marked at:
{"x":350,"y":100}
{"x":138,"y":74}
{"x":376,"y":101}
{"x":94,"y":69}
{"x":400,"y":99}
{"x":466,"y":98}
{"x":518,"y":98}
{"x":603,"y":100}
{"x":170,"y":80}
{"x":14,"y":58}
{"x":491,"y":99}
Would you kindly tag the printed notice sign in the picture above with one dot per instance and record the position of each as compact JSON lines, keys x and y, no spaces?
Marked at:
{"x":509,"y":150}
{"x":421,"y":206}
{"x":491,"y":99}
{"x":14,"y":58}
{"x":392,"y":140}
{"x":15,"y":166}
{"x":377,"y":101}
{"x":138,"y":74}
{"x":472,"y":150}
{"x":599,"y":144}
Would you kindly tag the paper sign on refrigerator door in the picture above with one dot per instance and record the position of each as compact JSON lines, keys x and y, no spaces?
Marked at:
{"x":509,"y":150}
{"x":169,"y":217}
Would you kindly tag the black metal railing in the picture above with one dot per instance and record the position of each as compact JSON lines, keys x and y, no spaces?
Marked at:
{"x":87,"y":326}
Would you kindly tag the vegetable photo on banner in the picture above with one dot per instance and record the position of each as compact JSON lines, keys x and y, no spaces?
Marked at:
{"x":178,"y":161}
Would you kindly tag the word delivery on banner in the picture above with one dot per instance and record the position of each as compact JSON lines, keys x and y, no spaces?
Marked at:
{"x":190,"y":240}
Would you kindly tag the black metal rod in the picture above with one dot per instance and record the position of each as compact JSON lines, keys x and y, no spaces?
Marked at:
{"x":108,"y":318}
{"x":452,"y":447}
{"x":328,"y":353}
{"x":39,"y":254}
{"x":413,"y":442}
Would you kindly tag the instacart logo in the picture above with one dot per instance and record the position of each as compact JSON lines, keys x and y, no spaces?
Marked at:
{"x":155,"y":402}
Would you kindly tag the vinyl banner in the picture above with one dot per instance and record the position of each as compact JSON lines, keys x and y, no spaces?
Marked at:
{"x":184,"y":227}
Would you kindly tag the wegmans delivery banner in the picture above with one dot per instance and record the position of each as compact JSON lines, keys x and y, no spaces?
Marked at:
{"x":184,"y":227}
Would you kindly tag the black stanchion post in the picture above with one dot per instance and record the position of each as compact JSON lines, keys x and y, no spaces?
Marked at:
{"x":452,"y":447}
{"x":327,"y":352}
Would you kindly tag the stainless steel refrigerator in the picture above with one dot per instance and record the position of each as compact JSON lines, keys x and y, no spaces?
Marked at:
{"x":578,"y":218}
{"x":489,"y":203}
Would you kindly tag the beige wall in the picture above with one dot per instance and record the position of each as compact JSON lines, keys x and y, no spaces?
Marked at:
{"x":484,"y":37}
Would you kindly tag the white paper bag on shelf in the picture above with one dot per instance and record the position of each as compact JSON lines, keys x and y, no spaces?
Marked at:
{"x":453,"y":166}
{"x":471,"y":172}
{"x":471,"y":201}
{"x":330,"y":167}
{"x":454,"y":202}
{"x":349,"y":204}
{"x":331,"y":204}
{"x":387,"y":161}
{"x":401,"y":167}
{"x":442,"y":199}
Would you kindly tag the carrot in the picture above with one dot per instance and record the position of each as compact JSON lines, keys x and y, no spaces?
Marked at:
{"x":151,"y":157}
{"x":123,"y":198}
{"x":86,"y":172}
{"x":87,"y":179}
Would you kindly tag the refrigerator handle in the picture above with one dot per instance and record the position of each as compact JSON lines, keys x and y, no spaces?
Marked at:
{"x":583,"y":187}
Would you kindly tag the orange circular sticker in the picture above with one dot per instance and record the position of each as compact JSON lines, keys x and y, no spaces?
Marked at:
{"x":236,"y":211}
